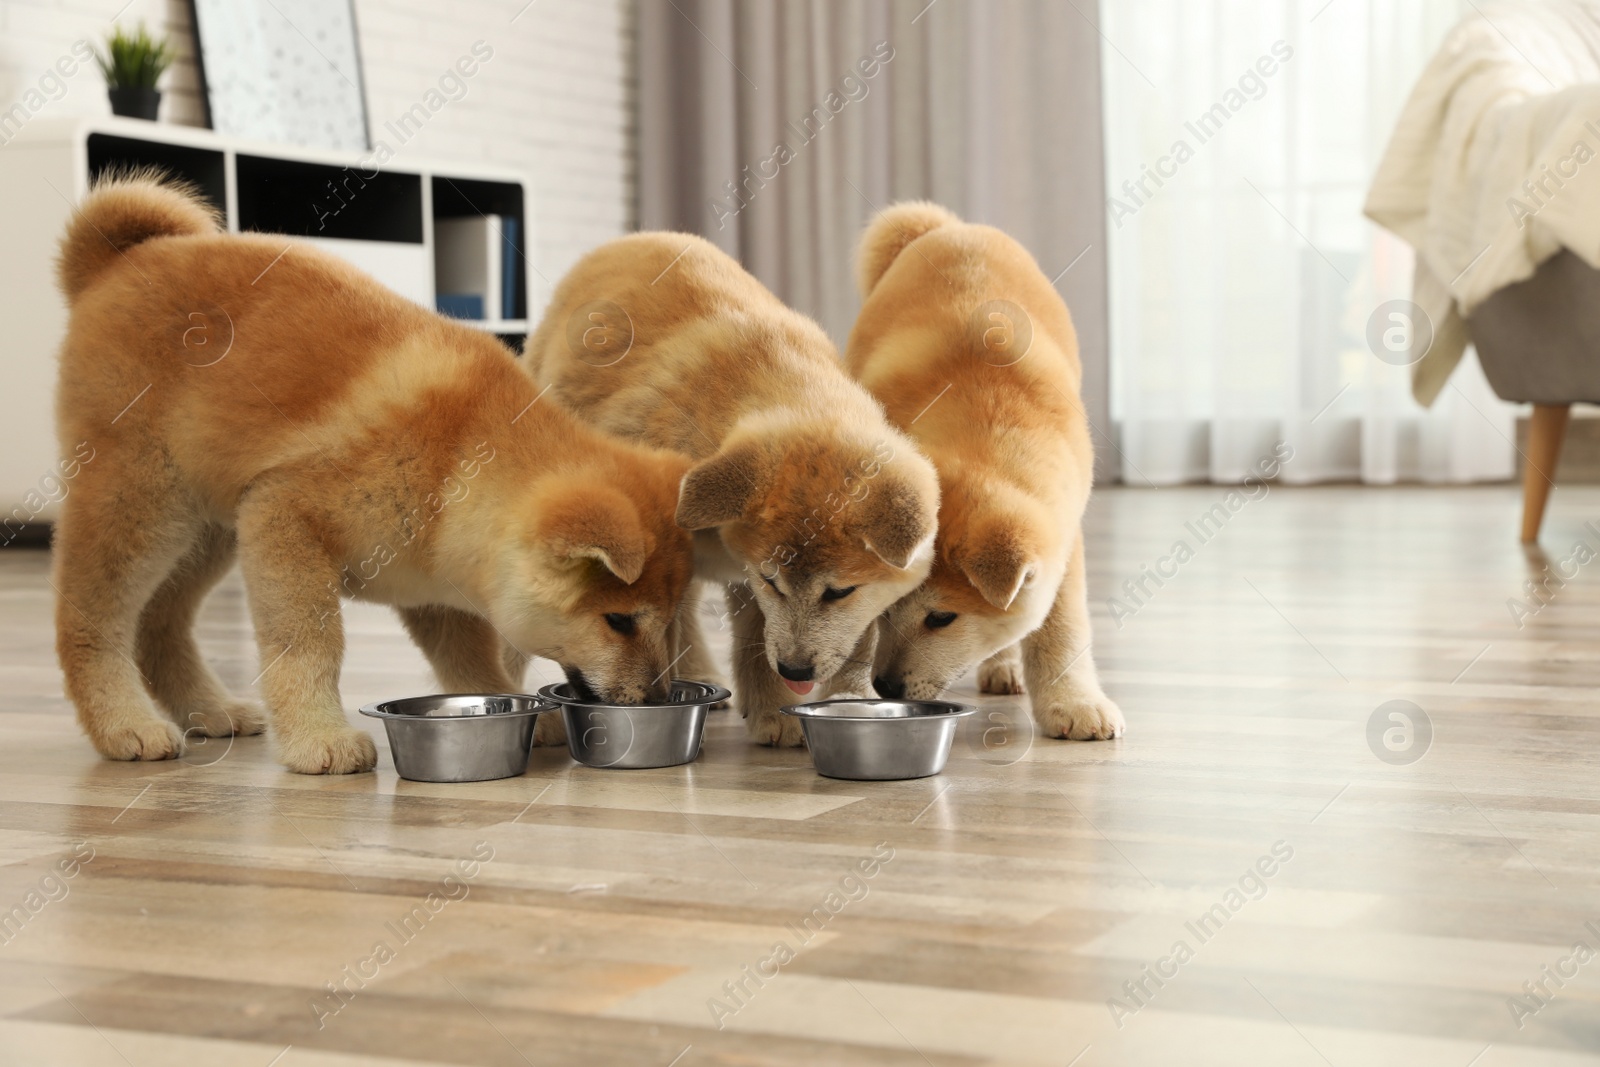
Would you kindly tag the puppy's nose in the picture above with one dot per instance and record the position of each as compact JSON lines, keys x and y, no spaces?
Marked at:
{"x":797,"y":674}
{"x":890,"y":689}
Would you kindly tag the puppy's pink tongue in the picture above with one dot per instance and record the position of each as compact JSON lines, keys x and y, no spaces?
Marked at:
{"x":800,"y":687}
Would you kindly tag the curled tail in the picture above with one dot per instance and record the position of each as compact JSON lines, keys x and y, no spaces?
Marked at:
{"x":888,"y":234}
{"x":121,"y":211}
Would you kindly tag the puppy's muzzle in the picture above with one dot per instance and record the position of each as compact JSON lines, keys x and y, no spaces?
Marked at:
{"x":797,"y":674}
{"x":890,"y":688}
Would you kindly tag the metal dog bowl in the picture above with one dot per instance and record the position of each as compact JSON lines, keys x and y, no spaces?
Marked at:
{"x":460,"y":737}
{"x":879,"y":740}
{"x":635,"y":736}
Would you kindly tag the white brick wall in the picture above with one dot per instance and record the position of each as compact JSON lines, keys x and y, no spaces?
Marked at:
{"x":555,"y":101}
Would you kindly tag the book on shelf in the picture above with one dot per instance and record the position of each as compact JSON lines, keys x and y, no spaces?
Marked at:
{"x":468,"y":262}
{"x":460,"y":305}
{"x":510,"y":267}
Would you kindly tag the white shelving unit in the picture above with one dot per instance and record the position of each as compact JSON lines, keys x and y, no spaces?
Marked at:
{"x":380,"y":219}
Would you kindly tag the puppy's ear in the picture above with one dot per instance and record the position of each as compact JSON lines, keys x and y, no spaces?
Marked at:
{"x":900,"y":518}
{"x":1000,"y":560}
{"x":722,"y":488}
{"x":598,"y":523}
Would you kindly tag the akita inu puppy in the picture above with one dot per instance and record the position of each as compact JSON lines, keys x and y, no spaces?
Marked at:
{"x":812,"y":508}
{"x":250,"y":391}
{"x":973,"y":354}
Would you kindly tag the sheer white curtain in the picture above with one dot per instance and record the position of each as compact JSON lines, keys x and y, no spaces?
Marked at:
{"x":1240,"y":139}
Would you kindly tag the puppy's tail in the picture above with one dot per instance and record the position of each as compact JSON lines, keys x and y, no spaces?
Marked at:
{"x":888,"y":234}
{"x":123,"y":210}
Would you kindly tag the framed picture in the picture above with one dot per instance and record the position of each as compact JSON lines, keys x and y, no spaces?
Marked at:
{"x":287,"y":71}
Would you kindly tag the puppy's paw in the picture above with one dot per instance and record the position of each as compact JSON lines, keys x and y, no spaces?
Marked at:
{"x":1082,"y":719}
{"x":551,"y":729}
{"x":242,"y":718}
{"x":778,"y":731}
{"x":335,"y":751}
{"x":1000,"y":677}
{"x":146,"y":738}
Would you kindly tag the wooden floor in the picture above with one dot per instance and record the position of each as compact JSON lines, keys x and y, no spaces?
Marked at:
{"x":621,"y":911}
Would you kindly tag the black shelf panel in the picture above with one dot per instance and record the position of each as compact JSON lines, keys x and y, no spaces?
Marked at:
{"x":315,"y":200}
{"x":201,"y":167}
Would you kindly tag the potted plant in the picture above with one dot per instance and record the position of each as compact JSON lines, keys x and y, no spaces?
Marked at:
{"x":132,"y":64}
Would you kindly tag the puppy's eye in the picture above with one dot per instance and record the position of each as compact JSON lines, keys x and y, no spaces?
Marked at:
{"x":773,"y":583}
{"x":831,"y":593}
{"x":938,"y":620}
{"x":623,"y":624}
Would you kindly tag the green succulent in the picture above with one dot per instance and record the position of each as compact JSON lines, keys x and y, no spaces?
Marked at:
{"x":133,"y":60}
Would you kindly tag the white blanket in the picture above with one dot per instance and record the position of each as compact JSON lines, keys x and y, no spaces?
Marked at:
{"x":1494,"y":165}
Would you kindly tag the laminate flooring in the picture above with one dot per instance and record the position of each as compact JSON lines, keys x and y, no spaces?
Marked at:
{"x":1355,"y":821}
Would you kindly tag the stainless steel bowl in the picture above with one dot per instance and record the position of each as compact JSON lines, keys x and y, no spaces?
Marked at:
{"x":879,"y":740}
{"x":635,"y":736}
{"x":463,"y":737}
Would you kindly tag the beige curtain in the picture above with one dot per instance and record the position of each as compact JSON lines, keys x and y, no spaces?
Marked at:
{"x":776,"y":127}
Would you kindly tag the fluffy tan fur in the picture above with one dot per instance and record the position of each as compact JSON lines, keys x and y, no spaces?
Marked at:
{"x":971,"y":351}
{"x":249,"y":393}
{"x":801,"y":489}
